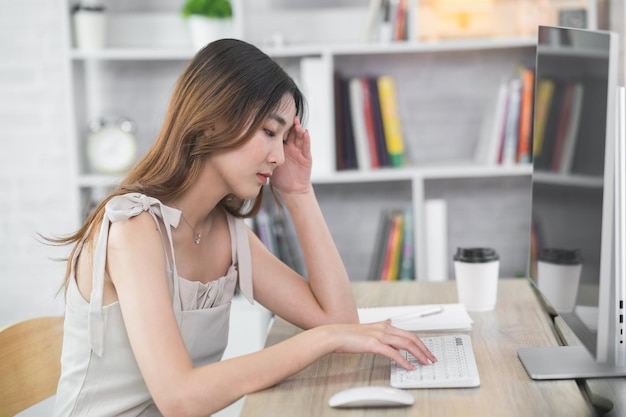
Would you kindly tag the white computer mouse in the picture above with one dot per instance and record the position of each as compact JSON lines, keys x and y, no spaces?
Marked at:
{"x":371,"y":396}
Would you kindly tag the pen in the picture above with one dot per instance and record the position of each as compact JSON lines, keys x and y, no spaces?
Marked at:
{"x":418,"y":314}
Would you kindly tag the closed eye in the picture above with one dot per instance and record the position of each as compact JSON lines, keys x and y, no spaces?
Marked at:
{"x":269,"y":133}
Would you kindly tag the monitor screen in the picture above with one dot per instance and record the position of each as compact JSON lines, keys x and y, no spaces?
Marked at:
{"x":571,"y":262}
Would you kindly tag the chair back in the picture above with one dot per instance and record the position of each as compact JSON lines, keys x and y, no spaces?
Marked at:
{"x":30,"y":363}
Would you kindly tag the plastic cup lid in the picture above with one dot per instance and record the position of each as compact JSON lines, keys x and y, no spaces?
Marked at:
{"x":560,"y":256}
{"x":476,"y":255}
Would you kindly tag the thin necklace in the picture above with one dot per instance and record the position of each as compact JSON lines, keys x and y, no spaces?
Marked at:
{"x":196,"y":235}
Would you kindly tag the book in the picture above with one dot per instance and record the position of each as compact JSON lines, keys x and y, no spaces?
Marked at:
{"x":380,"y":245}
{"x":511,"y":133}
{"x":375,"y":13}
{"x":400,"y":21}
{"x":263,"y":228}
{"x":488,"y":146}
{"x":385,"y":29}
{"x":545,"y":89}
{"x":392,"y":250}
{"x":501,"y":134}
{"x":289,"y":249}
{"x":359,"y":127}
{"x":563,"y":122}
{"x":525,"y":116}
{"x":370,"y":126}
{"x":571,"y":132}
{"x":407,"y":260}
{"x":588,"y":160}
{"x":453,"y":316}
{"x":381,"y":144}
{"x":544,"y":157}
{"x":396,"y":254}
{"x":391,"y":119}
{"x":348,"y":150}
{"x":339,"y":114}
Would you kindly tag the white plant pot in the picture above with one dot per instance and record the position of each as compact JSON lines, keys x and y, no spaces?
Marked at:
{"x":204,"y":30}
{"x":90,"y":29}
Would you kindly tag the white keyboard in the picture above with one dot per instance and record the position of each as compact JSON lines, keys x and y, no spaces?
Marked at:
{"x":455,"y":366}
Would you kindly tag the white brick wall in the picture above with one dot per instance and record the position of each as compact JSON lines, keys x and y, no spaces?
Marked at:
{"x":36,"y":191}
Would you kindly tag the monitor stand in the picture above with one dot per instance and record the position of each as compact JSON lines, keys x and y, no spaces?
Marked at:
{"x":565,"y":362}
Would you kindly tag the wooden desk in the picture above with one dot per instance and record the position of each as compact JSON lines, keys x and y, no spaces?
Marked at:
{"x":506,"y":389}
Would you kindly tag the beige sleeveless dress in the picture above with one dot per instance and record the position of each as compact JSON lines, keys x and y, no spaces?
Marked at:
{"x":100,"y":376}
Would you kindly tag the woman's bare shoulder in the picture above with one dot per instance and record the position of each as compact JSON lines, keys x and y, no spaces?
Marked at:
{"x":140,"y":229}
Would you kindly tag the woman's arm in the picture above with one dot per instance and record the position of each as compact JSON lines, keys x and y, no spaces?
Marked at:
{"x":327,"y":296}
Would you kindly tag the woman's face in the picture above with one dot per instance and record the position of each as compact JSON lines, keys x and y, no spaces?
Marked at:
{"x":246,"y":169}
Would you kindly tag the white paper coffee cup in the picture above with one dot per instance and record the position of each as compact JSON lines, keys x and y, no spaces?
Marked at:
{"x":558,"y":276}
{"x":476,"y":272}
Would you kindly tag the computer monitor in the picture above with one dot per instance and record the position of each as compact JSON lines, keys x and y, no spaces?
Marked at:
{"x":573,"y":263}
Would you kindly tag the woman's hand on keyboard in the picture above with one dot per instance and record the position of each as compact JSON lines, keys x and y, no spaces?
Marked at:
{"x":381,"y":338}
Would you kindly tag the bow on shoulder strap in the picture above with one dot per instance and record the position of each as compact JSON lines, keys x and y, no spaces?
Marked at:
{"x":120,"y":208}
{"x":244,"y":260}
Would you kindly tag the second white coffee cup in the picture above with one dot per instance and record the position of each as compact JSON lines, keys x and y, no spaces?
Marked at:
{"x":558,"y":277}
{"x":476,"y":272}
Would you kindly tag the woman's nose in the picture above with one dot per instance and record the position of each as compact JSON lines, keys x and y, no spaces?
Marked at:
{"x":277,"y":154}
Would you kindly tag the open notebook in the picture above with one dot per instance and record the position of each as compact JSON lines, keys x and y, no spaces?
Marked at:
{"x":451,"y":317}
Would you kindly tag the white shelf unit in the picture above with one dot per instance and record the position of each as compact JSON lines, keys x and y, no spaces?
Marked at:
{"x":445,"y":90}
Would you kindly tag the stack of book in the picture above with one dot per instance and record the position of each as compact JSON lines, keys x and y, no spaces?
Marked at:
{"x":274,"y":228}
{"x":558,"y":123}
{"x":368,"y":127}
{"x":388,"y":21}
{"x":506,"y":136}
{"x":393,"y":255}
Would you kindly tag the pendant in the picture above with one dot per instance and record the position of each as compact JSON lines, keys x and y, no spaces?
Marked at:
{"x":196,"y":238}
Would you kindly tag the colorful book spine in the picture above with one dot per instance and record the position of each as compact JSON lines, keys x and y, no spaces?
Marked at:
{"x":369,"y":123}
{"x":525,"y":117}
{"x":381,"y":143}
{"x":394,"y":241}
{"x":391,"y":119}
{"x":545,"y":89}
{"x":408,"y":249}
{"x":543,"y":159}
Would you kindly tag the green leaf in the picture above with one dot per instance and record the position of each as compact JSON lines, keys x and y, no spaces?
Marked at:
{"x":207,"y":8}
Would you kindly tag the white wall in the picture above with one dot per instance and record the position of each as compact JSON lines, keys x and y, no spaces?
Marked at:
{"x":36,"y":195}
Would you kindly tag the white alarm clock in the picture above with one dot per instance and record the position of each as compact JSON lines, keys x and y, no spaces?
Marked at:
{"x":111,"y":147}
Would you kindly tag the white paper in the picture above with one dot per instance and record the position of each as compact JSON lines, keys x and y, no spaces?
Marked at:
{"x":453,"y":317}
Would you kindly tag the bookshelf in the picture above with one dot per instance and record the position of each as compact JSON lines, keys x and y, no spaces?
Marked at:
{"x":444,"y":90}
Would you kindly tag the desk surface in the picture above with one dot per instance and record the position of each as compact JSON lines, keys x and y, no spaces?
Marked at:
{"x":518,"y":321}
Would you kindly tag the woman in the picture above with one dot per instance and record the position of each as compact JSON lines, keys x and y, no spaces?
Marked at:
{"x":153,"y":269}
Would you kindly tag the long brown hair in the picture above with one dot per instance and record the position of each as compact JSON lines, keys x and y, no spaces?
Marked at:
{"x":224,"y":95}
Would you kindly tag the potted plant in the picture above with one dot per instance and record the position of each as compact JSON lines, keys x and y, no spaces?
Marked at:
{"x":208,"y":20}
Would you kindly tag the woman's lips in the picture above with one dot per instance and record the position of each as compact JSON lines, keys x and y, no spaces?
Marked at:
{"x":263,"y":177}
